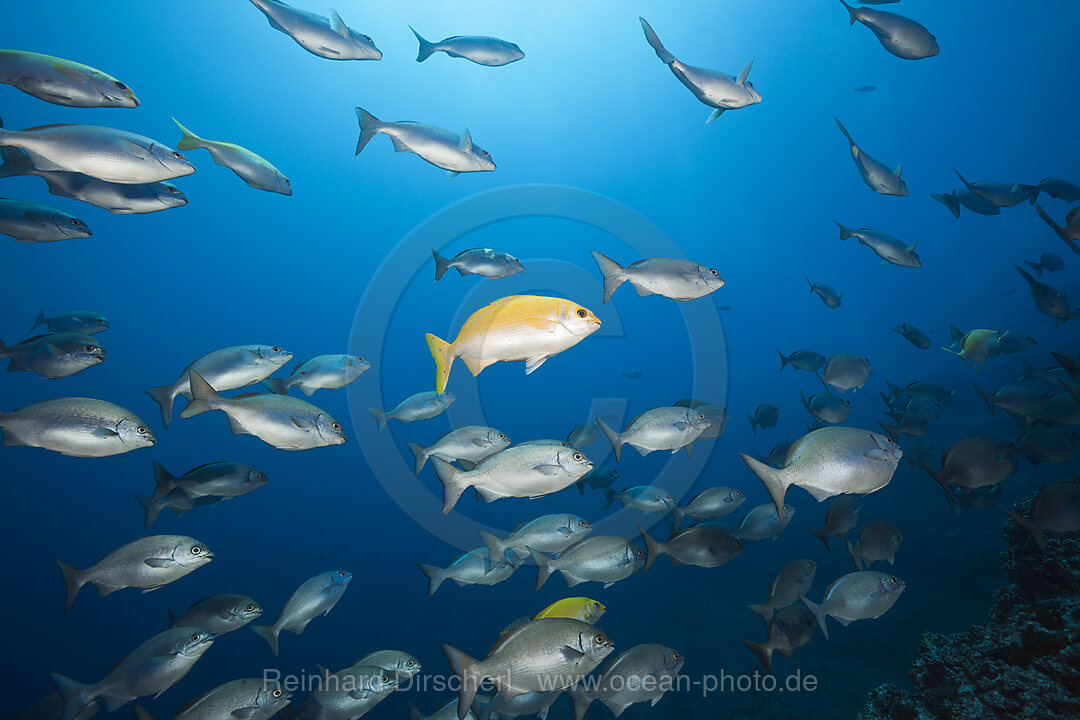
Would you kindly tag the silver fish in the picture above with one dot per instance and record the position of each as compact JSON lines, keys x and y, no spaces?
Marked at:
{"x":790,"y":629}
{"x":845,"y":371}
{"x":225,"y":369}
{"x":256,"y":171}
{"x":646,"y":498}
{"x":842,"y":516}
{"x":802,"y":360}
{"x":715,"y":89}
{"x":478,"y":261}
{"x":1049,"y":300}
{"x":710,"y":504}
{"x":827,"y":408}
{"x":328,"y":38}
{"x":324,"y":372}
{"x":675,"y":279}
{"x":831,"y":461}
{"x":63,"y":82}
{"x":218,"y":614}
{"x":1054,"y":511}
{"x":763,"y":522}
{"x":884,"y":245}
{"x":147,"y":563}
{"x":443,"y":149}
{"x":218,"y":479}
{"x":345,"y":695}
{"x":584,"y":434}
{"x":79,"y":427}
{"x":877,"y":177}
{"x":662,"y":428}
{"x":1018,"y":400}
{"x":57,"y":355}
{"x":33,"y":222}
{"x":857,"y":596}
{"x":641,"y":674}
{"x":401,"y":664}
{"x":920,"y":388}
{"x":598,"y":478}
{"x":479,"y":49}
{"x":150,"y":669}
{"x":913,"y":335}
{"x":285,"y":422}
{"x":476,"y":567}
{"x":975,"y":462}
{"x":705,"y":545}
{"x":601,"y":558}
{"x":525,"y":471}
{"x":548,"y":533}
{"x":765,"y":416}
{"x":247,"y":698}
{"x":104,"y":153}
{"x":829,"y":297}
{"x":501,"y":707}
{"x":717,"y":416}
{"x":317,"y":596}
{"x":547,"y":654}
{"x":449,"y":710}
{"x":901,"y":36}
{"x":51,"y":707}
{"x":966,"y":198}
{"x":421,"y":406}
{"x":777,"y":455}
{"x":77,"y":321}
{"x":177,"y":501}
{"x":791,"y":583}
{"x":878,"y":540}
{"x":472,"y":443}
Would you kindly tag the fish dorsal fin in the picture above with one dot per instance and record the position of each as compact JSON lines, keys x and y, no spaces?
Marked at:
{"x":899,"y":170}
{"x":745,"y":73}
{"x":48,"y":127}
{"x":1073,"y":215}
{"x":248,"y":395}
{"x":466,"y":141}
{"x":338,"y":25}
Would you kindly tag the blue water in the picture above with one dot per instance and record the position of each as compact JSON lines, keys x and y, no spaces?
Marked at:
{"x":590,"y":108}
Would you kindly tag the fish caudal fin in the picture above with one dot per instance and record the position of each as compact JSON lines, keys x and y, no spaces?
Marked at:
{"x":822,"y":535}
{"x":653,"y":549}
{"x":369,"y":128}
{"x":818,"y":613}
{"x":856,"y":556}
{"x":435,"y":576}
{"x":845,"y":232}
{"x":613,"y":437}
{"x":441,"y":264}
{"x":784,"y":361}
{"x":838,"y":123}
{"x":495,"y":546}
{"x":543,"y":567}
{"x":189,"y":140}
{"x":380,"y":419}
{"x":77,"y":696}
{"x":1032,"y":529}
{"x":40,"y":321}
{"x":426,"y":48}
{"x":765,"y":610}
{"x":582,"y":699}
{"x":986,"y":398}
{"x":164,"y":482}
{"x":203,"y":397}
{"x":278,"y":386}
{"x":614,"y":273}
{"x":16,"y":162}
{"x":269,"y":633}
{"x":151,"y":510}
{"x":609,"y":496}
{"x":661,"y":52}
{"x":419,"y":453}
{"x":454,"y":482}
{"x":852,"y":18}
{"x":440,"y":352}
{"x":73,"y":582}
{"x":164,"y":397}
{"x":677,"y":515}
{"x":763,"y":652}
{"x":142,"y":713}
{"x":950,"y":201}
{"x":771,"y":479}
{"x":469,"y":675}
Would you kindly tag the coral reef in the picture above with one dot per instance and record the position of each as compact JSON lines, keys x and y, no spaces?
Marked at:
{"x":1023,"y":663}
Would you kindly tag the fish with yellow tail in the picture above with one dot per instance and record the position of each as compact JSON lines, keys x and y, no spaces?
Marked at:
{"x":519,"y":327}
{"x":574,"y":608}
{"x":978,"y":346}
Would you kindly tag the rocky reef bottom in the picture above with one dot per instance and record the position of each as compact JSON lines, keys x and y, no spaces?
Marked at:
{"x":1023,"y":663}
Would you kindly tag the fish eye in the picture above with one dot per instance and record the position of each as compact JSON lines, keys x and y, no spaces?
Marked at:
{"x":119,"y":85}
{"x":410,"y":663}
{"x":579,"y":456}
{"x":195,"y":637}
{"x":176,"y":155}
{"x":251,"y":608}
{"x":581,"y":312}
{"x":582,"y":523}
{"x":173,"y":190}
{"x":502,"y":436}
{"x":386,"y":678}
{"x":276,"y":693}
{"x":675,"y":655}
{"x":342,"y":573}
{"x":77,"y":222}
{"x":275,"y":349}
{"x":141,"y":430}
{"x":336,"y":426}
{"x":700,"y":416}
{"x":714,"y":273}
{"x":88,"y":348}
{"x":195,"y":550}
{"x":600,"y":639}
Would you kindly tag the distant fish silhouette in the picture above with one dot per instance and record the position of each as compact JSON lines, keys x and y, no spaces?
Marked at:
{"x":866,"y":88}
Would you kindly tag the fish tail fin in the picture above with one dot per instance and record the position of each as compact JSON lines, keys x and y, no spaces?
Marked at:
{"x":142,"y":713}
{"x":1032,"y":529}
{"x":845,"y":232}
{"x":678,"y":514}
{"x":658,"y":47}
{"x":77,"y":696}
{"x":15,"y":162}
{"x":852,"y":17}
{"x":614,"y":273}
{"x":426,"y":48}
{"x":961,"y":356}
{"x":441,"y":264}
{"x":753,"y":422}
{"x":172,"y":618}
{"x":1037,"y":267}
{"x":891,"y":430}
{"x":435,"y":576}
{"x":419,"y":453}
{"x":440,"y":352}
{"x":818,"y":614}
{"x":609,"y":497}
{"x":150,"y":508}
{"x":164,"y":397}
{"x":580,"y":696}
{"x":73,"y":582}
{"x":189,"y":140}
{"x":494,"y":545}
{"x":771,"y":479}
{"x":543,"y":567}
{"x":39,"y":321}
{"x":765,"y":610}
{"x":453,"y":481}
{"x":822,"y":535}
{"x":278,"y":386}
{"x":468,"y":672}
{"x":653,"y":549}
{"x":164,"y":482}
{"x":986,"y":398}
{"x":956,"y":335}
{"x":613,"y":437}
{"x":203,"y":397}
{"x":370,"y":126}
{"x":763,"y":652}
{"x":380,"y":418}
{"x":838,"y":123}
{"x":269,"y":633}
{"x":950,"y":201}
{"x":784,"y":361}
{"x":856,"y":556}
{"x":1032,"y":192}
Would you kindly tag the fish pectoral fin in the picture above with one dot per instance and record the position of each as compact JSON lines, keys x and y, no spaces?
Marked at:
{"x":158,"y":562}
{"x":36,"y":218}
{"x":300,"y":626}
{"x":399,"y":144}
{"x":532,"y":363}
{"x":876,"y":454}
{"x":714,"y":114}
{"x":244,"y":713}
{"x":359,"y":694}
{"x":103,"y":432}
{"x":329,"y":50}
{"x":565,"y":532}
{"x":134,"y":148}
{"x":303,"y":423}
{"x":843,"y":621}
{"x":454,"y":173}
{"x":570,"y":653}
{"x":606,"y":585}
{"x":478,"y":442}
{"x":548,"y":469}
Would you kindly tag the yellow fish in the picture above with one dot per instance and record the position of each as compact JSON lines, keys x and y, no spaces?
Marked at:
{"x":576,"y":608}
{"x":978,"y":346}
{"x":519,"y":327}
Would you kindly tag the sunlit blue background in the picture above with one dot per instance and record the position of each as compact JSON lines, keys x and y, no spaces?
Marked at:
{"x":753,"y":194}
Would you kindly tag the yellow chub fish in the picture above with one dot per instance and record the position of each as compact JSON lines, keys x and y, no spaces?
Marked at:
{"x":519,"y":327}
{"x":576,"y":608}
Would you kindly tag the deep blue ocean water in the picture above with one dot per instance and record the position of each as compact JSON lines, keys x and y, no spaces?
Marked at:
{"x":589,"y":109}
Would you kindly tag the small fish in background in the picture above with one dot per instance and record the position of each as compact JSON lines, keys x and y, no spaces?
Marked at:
{"x":878,"y":540}
{"x":790,"y":629}
{"x":599,"y":558}
{"x":598,"y":478}
{"x":149,"y":670}
{"x":863,"y":595}
{"x":55,"y":355}
{"x":973,"y":201}
{"x":1070,"y":233}
{"x":548,"y":534}
{"x":104,"y":153}
{"x":1017,"y":400}
{"x":501,"y":707}
{"x":323,"y":372}
{"x":662,"y":428}
{"x":316,"y":596}
{"x":421,"y":406}
{"x":807,"y":360}
{"x":777,"y":456}
{"x":1059,"y":190}
{"x":348,"y":693}
{"x":483,"y":702}
{"x":846,"y":371}
{"x":473,"y":443}
{"x":674,"y":279}
{"x":977,"y":346}
{"x":478,"y":261}
{"x":476,"y":567}
{"x":828,"y":296}
{"x":827,"y":408}
{"x":1050,"y":374}
{"x":884,"y":245}
{"x":34,"y":222}
{"x":480,"y":49}
{"x":633,"y":374}
{"x":906,"y":424}
{"x":646,"y":498}
{"x":867,"y":88}
{"x":252,"y":698}
{"x":901,"y":36}
{"x":583,"y":435}
{"x":877,"y":177}
{"x":765,"y":416}
{"x":63,"y":82}
{"x":443,"y":149}
{"x":256,"y":171}
{"x":1054,"y":511}
{"x":1055,"y":444}
{"x":763,"y":522}
{"x":218,"y":614}
{"x":518,"y":327}
{"x":147,"y":564}
{"x":1048,"y":262}
{"x":328,"y":38}
{"x":972,"y":463}
{"x":716,"y":415}
{"x":86,"y":322}
{"x":204,"y":485}
{"x":710,"y":504}
{"x":51,"y":707}
{"x":1048,"y":300}
{"x":77,"y":427}
{"x":788,"y":585}
{"x":842,"y":516}
{"x":913,"y":335}
{"x":400,"y":663}
{"x":639,"y":675}
{"x":715,"y":89}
